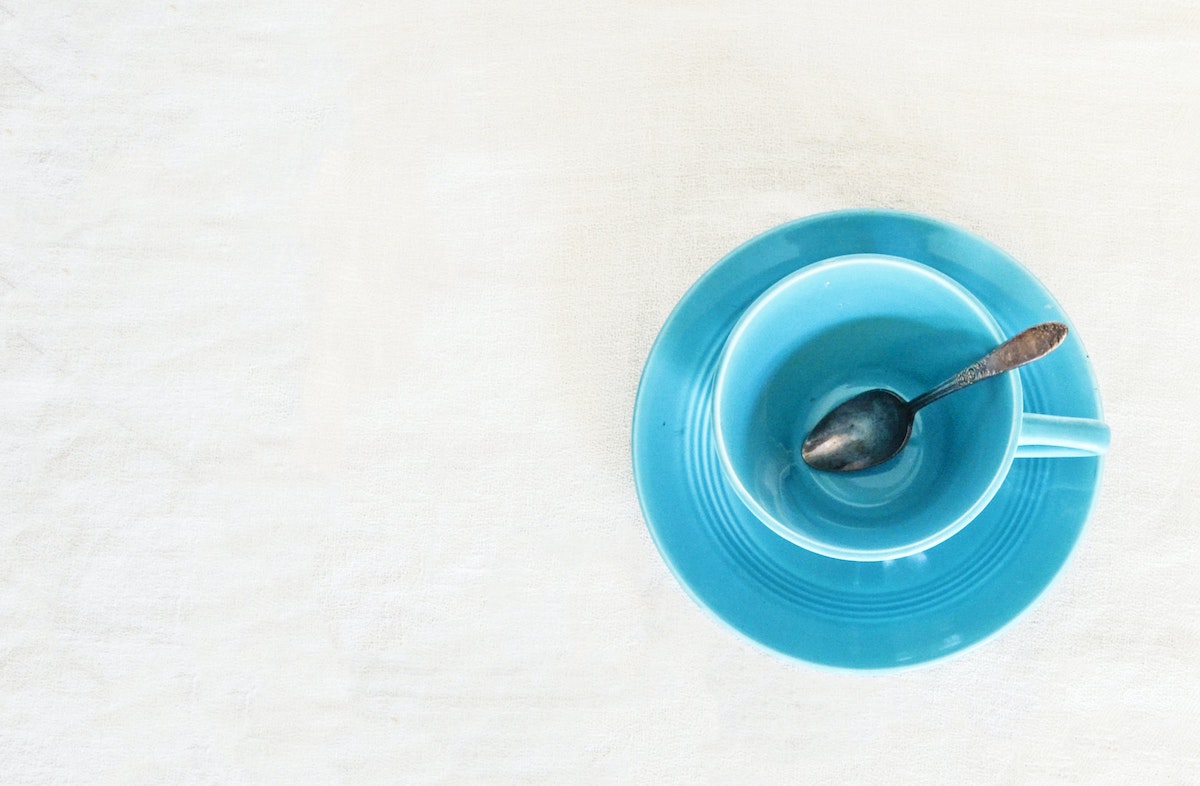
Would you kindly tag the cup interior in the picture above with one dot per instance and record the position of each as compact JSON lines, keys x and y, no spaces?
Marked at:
{"x":826,"y":333}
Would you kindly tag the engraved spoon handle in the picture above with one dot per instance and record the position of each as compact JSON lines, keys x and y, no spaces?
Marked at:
{"x":1026,"y":346}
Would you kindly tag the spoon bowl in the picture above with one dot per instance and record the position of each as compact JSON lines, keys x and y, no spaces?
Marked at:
{"x":863,"y":431}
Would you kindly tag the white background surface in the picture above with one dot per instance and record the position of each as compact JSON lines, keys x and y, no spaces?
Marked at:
{"x":320,"y":327}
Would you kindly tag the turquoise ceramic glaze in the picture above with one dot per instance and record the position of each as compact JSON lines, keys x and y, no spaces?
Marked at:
{"x":839,"y":613}
{"x":834,"y":329}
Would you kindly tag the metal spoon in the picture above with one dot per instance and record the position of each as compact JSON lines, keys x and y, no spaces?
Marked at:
{"x":873,"y":426}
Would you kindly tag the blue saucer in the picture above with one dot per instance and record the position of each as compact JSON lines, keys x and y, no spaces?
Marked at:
{"x":829,"y":612}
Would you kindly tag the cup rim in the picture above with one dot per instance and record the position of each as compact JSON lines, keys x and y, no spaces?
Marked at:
{"x":837,"y":551}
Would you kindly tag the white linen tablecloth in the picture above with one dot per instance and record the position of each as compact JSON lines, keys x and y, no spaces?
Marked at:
{"x":320,"y":327}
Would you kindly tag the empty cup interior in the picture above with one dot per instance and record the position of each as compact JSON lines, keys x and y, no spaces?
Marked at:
{"x":833,"y":330}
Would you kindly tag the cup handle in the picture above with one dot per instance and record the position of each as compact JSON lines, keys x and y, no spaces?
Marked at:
{"x":1054,"y":436}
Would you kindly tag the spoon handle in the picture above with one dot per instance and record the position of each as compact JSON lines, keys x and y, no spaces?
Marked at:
{"x":1026,"y":346}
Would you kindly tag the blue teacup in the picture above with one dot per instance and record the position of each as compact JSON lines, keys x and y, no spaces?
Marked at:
{"x":834,"y":329}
